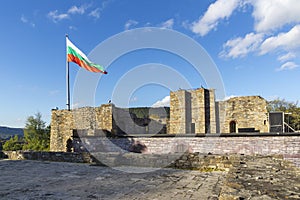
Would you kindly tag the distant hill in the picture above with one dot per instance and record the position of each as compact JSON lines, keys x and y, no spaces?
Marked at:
{"x":7,"y":132}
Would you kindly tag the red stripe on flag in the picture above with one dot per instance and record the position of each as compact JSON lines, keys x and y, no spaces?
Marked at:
{"x":72,"y":58}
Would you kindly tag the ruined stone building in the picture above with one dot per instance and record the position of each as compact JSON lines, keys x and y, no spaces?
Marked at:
{"x":196,"y":111}
{"x":191,"y":111}
{"x":107,"y":120}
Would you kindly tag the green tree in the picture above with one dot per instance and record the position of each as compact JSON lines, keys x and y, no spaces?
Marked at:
{"x":293,"y":118}
{"x":13,"y":144}
{"x":36,"y":134}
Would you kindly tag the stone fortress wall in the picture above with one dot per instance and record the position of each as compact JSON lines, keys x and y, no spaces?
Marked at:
{"x":64,"y":122}
{"x":247,"y":114}
{"x":191,"y":111}
{"x":107,"y":120}
{"x":196,"y":111}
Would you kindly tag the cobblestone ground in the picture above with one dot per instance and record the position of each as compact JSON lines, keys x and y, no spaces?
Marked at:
{"x":52,"y":180}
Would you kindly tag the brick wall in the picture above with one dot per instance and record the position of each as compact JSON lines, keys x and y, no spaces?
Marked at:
{"x":288,"y":146}
{"x":162,"y":150}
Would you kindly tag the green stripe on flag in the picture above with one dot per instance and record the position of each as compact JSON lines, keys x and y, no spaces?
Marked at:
{"x":73,"y":52}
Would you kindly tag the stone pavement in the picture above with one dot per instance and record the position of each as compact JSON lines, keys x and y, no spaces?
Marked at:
{"x":26,"y":179}
{"x":249,"y":177}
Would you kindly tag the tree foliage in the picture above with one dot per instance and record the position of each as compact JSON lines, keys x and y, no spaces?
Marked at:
{"x":13,"y":144}
{"x":293,"y":118}
{"x":282,"y":105}
{"x":36,"y":134}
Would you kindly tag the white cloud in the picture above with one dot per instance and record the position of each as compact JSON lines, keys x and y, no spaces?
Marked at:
{"x":165,"y":102}
{"x":134,"y":99}
{"x":286,"y":57}
{"x":76,"y":105}
{"x":288,"y":66}
{"x":148,"y":24}
{"x":130,"y":23}
{"x":273,"y":14}
{"x":72,"y":28}
{"x":269,"y":15}
{"x":106,"y":3}
{"x":26,"y":21}
{"x":256,"y":42}
{"x":95,"y":13}
{"x":221,"y":9}
{"x":240,"y":47}
{"x":268,"y":35}
{"x":229,"y":97}
{"x":78,"y":10}
{"x":287,"y":41}
{"x":185,"y":24}
{"x":55,"y":16}
{"x":168,"y":24}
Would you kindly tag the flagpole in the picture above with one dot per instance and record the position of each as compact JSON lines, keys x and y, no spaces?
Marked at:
{"x":68,"y":77}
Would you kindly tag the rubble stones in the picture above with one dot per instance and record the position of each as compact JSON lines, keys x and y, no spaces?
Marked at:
{"x":262,"y":177}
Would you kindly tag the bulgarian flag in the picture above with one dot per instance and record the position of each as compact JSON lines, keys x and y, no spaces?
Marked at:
{"x":75,"y":55}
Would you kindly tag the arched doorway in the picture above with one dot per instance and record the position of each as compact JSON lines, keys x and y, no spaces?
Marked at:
{"x":69,"y":145}
{"x":232,"y":127}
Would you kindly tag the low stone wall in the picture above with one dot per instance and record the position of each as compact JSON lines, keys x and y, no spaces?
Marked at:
{"x":111,"y":159}
{"x":162,"y":150}
{"x":49,"y":156}
{"x":177,"y":160}
{"x":287,"y":145}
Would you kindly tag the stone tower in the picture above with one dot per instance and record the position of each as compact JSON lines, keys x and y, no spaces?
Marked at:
{"x":192,"y":111}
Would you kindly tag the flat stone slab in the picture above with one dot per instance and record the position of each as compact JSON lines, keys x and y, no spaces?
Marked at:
{"x":250,"y":177}
{"x":27,"y":179}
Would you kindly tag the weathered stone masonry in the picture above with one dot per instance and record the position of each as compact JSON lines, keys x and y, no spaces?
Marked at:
{"x":287,"y":145}
{"x":245,"y":112}
{"x":191,"y":111}
{"x":64,"y":122}
{"x":196,"y":111}
{"x":107,"y":119}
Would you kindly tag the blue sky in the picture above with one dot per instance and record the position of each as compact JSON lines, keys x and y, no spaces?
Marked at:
{"x":255,"y":45}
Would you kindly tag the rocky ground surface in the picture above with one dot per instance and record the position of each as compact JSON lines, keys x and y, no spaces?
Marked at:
{"x":260,"y":177}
